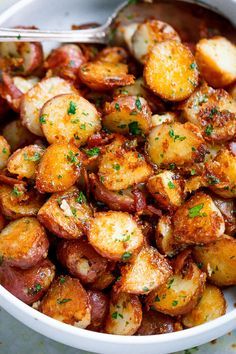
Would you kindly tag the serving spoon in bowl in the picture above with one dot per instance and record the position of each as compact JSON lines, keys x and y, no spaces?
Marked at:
{"x":143,"y":9}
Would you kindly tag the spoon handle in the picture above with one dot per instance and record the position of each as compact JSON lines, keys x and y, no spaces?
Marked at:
{"x":93,"y":35}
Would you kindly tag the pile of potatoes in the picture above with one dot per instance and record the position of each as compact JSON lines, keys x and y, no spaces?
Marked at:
{"x":118,"y":180}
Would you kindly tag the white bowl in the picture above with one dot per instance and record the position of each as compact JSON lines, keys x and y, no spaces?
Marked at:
{"x":61,"y":14}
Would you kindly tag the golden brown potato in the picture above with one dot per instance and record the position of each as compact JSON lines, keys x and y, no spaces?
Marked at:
{"x":181,"y":144}
{"x":198,"y":221}
{"x":181,"y":293}
{"x":147,"y":271}
{"x":171,"y":71}
{"x":211,"y":305}
{"x":68,"y":302}
{"x":16,"y":202}
{"x":125,"y":112}
{"x":4,"y":152}
{"x":154,"y":322}
{"x":120,"y":168}
{"x":115,"y":235}
{"x":35,"y":98}
{"x":168,"y":117}
{"x":103,"y":76}
{"x":227,"y":208}
{"x":24,"y":162}
{"x":81,"y":260}
{"x":23,"y":243}
{"x":221,"y":174}
{"x":102,"y":282}
{"x":112,"y":55}
{"x":125,"y":314}
{"x":218,"y":260}
{"x":148,"y":34}
{"x":28,"y":285}
{"x":164,"y":236}
{"x":99,"y":303}
{"x":69,"y":118}
{"x":16,"y":135}
{"x":65,"y":214}
{"x":166,"y":188}
{"x":59,"y":168}
{"x":216,"y":58}
{"x":213,"y":111}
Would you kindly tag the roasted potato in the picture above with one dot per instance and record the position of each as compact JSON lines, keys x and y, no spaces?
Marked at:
{"x":28,"y":285}
{"x":176,"y":143}
{"x":164,"y":236}
{"x":16,"y":135}
{"x":148,"y":34}
{"x":99,"y":303}
{"x":168,"y":117}
{"x":125,"y":314}
{"x":181,"y":293}
{"x":198,"y":221}
{"x":216,"y":58}
{"x":154,"y":322}
{"x":126,"y":111}
{"x":68,"y":302}
{"x":23,"y":243}
{"x":112,"y":55}
{"x":4,"y":152}
{"x":59,"y":168}
{"x":218,"y":260}
{"x":81,"y":260}
{"x":103,"y":281}
{"x":115,"y":235}
{"x":146,"y":271}
{"x":171,"y":71}
{"x":34,"y":99}
{"x":211,"y":305}
{"x":126,"y":33}
{"x":24,"y":162}
{"x":104,"y":76}
{"x":213,"y":111}
{"x":227,"y":209}
{"x":65,"y":214}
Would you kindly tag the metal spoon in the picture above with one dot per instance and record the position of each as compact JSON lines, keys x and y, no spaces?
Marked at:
{"x":93,"y":35}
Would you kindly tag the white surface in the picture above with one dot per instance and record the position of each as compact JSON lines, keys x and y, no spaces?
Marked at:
{"x":61,"y":14}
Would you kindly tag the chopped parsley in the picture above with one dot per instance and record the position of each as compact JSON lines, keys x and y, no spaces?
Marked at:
{"x":170,"y":283}
{"x":34,"y":158}
{"x":16,"y":192}
{"x":193,"y":66}
{"x":117,"y":106}
{"x":4,"y":150}
{"x":72,"y":158}
{"x":116,"y":314}
{"x":196,"y":211}
{"x":18,"y":37}
{"x":116,"y":166}
{"x":174,"y":303}
{"x":92,"y":152}
{"x":72,"y":108}
{"x":126,"y":256}
{"x":83,"y":126}
{"x":138,"y":104}
{"x":81,"y":198}
{"x":171,"y":185}
{"x":172,"y":166}
{"x":123,"y":238}
{"x":176,"y":137}
{"x":62,"y":280}
{"x":37,"y":288}
{"x":213,"y":180}
{"x":122,"y":126}
{"x":63,"y":301}
{"x":193,"y":172}
{"x":42,"y":119}
{"x":145,"y":288}
{"x":213,"y":112}
{"x":134,"y":128}
{"x":157,"y":299}
{"x":209,"y":129}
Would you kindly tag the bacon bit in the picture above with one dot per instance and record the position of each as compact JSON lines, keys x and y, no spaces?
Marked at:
{"x":139,"y":200}
{"x":153,"y":210}
{"x":99,"y":139}
{"x":180,"y":260}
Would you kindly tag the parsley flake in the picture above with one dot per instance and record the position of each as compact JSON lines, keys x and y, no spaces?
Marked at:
{"x":196,"y":211}
{"x":72,"y":108}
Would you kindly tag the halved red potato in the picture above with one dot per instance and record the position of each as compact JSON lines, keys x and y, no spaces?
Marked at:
{"x":99,"y":303}
{"x":23,"y":243}
{"x":65,"y":60}
{"x":181,"y":293}
{"x":16,"y":135}
{"x":28,"y":285}
{"x":171,"y":71}
{"x":181,"y":144}
{"x":22,"y":57}
{"x":147,"y":271}
{"x":164,"y":236}
{"x":115,"y":235}
{"x":59,"y":168}
{"x":221,"y":174}
{"x":228,"y":210}
{"x":123,"y":112}
{"x":103,"y":281}
{"x":68,"y":302}
{"x":24,"y":162}
{"x":154,"y":322}
{"x":211,"y":305}
{"x":65,"y":214}
{"x":81,"y":260}
{"x":112,"y":55}
{"x":103,"y":76}
{"x":16,"y":203}
{"x":69,"y":118}
{"x":166,"y":188}
{"x":5,"y":152}
{"x":213,"y":111}
{"x":198,"y":221}
{"x":216,"y":58}
{"x":218,"y":260}
{"x":34,"y":99}
{"x":125,"y":314}
{"x":148,"y":34}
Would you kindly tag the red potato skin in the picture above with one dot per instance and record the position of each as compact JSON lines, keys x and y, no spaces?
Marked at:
{"x":154,"y":322}
{"x":10,"y":92}
{"x":99,"y":309}
{"x":70,"y":252}
{"x":23,"y":283}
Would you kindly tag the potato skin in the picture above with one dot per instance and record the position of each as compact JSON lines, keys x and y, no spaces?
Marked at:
{"x":99,"y":303}
{"x":112,"y":55}
{"x":198,"y":221}
{"x":66,"y":213}
{"x":218,"y":260}
{"x":16,"y":135}
{"x":164,"y":236}
{"x":211,"y":305}
{"x":4,"y":152}
{"x":154,"y":322}
{"x":68,"y":302}
{"x":28,"y":285}
{"x":81,"y":260}
{"x":23,"y":243}
{"x":227,"y":209}
{"x":59,"y":168}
